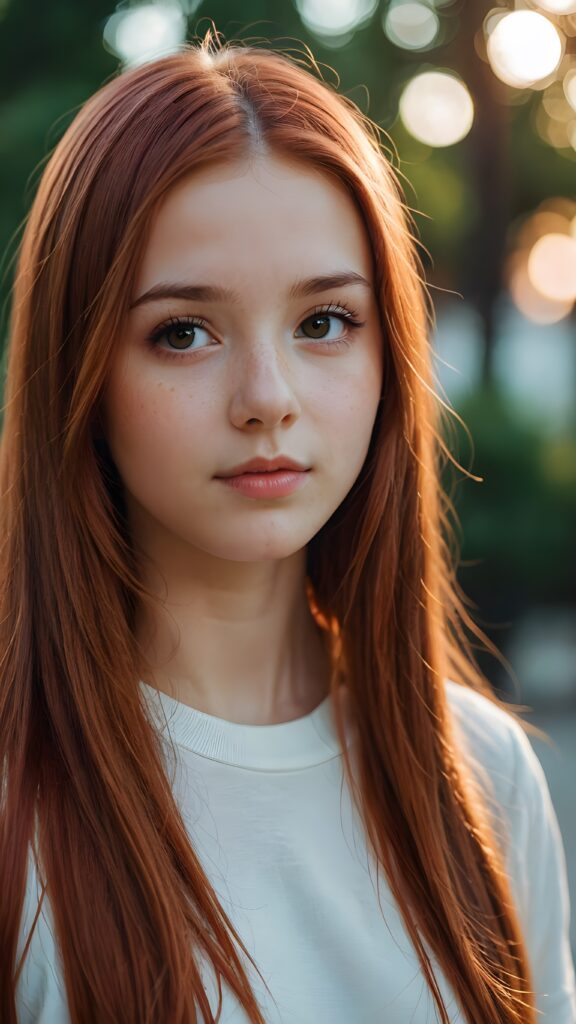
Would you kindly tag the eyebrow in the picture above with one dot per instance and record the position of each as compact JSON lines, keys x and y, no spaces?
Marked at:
{"x":216,"y":293}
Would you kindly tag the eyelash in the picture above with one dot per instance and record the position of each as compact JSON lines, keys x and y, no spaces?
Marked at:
{"x":338,"y":310}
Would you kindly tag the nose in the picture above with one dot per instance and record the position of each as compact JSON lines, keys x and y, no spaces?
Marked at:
{"x":262,"y":389}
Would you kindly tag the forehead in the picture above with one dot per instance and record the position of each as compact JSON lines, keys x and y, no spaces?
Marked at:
{"x":266,"y":217}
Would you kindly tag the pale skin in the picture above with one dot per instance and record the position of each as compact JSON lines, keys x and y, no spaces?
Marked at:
{"x":233,"y":635}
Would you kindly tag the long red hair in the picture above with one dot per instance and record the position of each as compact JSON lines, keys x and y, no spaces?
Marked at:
{"x":85,"y":781}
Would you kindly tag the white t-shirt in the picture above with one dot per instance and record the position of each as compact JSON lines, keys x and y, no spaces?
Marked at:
{"x":281,"y":843}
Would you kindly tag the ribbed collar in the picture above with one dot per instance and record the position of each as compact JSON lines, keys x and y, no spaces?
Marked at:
{"x":301,"y":743}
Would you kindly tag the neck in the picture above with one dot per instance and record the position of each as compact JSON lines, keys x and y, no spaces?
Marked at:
{"x":235,"y":640}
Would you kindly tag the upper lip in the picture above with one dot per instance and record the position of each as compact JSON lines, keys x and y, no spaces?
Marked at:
{"x":265,"y":466}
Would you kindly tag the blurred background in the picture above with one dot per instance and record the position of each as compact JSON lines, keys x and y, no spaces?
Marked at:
{"x":478,"y":103}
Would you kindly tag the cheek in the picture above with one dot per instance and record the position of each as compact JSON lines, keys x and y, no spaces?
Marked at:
{"x":348,"y":407}
{"x":151,"y":427}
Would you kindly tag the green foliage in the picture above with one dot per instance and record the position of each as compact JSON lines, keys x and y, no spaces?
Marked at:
{"x":518,"y":525}
{"x":53,"y":59}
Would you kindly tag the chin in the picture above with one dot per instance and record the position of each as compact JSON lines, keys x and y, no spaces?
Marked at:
{"x":245,"y":552}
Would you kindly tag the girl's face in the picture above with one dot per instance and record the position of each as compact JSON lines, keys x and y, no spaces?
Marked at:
{"x":253,"y":354}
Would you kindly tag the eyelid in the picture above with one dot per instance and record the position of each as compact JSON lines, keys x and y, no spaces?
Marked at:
{"x":333,"y":307}
{"x":188,"y":319}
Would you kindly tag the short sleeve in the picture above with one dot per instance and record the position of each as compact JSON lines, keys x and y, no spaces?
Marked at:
{"x":539,"y":877}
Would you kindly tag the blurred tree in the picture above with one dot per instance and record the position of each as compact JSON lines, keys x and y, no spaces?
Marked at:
{"x":519,"y":543}
{"x":53,"y":59}
{"x":488,"y":156}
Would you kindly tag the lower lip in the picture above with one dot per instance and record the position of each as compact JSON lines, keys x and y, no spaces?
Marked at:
{"x":267,"y":485}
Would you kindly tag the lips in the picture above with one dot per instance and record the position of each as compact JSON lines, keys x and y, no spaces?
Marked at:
{"x":261,"y":465}
{"x":266,"y":485}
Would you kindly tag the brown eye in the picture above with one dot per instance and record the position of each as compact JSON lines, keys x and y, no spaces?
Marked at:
{"x":179,"y":334}
{"x":333,"y":325}
{"x":180,"y":337}
{"x":319,"y":325}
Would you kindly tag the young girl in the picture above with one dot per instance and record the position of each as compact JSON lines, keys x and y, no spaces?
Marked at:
{"x":251,"y":770}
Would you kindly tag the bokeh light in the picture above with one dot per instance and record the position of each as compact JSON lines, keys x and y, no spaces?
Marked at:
{"x":549,"y":219}
{"x":529,"y":300}
{"x":558,"y":6}
{"x":556,"y":104}
{"x":523,"y":47}
{"x":336,"y":17}
{"x":437,"y":108}
{"x":552,"y":267}
{"x":569,"y":86}
{"x":411,"y":25}
{"x":141,"y":33}
{"x":541,"y":269}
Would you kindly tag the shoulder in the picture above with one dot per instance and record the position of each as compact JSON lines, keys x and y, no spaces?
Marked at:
{"x":500,"y":756}
{"x":495,"y":742}
{"x":493,"y":739}
{"x":514,"y":787}
{"x":511,"y":782}
{"x":483,"y":721}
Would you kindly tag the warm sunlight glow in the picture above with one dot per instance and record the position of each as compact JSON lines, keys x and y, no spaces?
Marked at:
{"x":139,"y":34}
{"x":544,"y":222}
{"x":569,"y":85}
{"x":437,"y":108}
{"x":555,"y":103}
{"x":411,"y":25}
{"x":524,"y":48}
{"x":532,"y":303}
{"x":552,"y":267}
{"x":541,"y":268}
